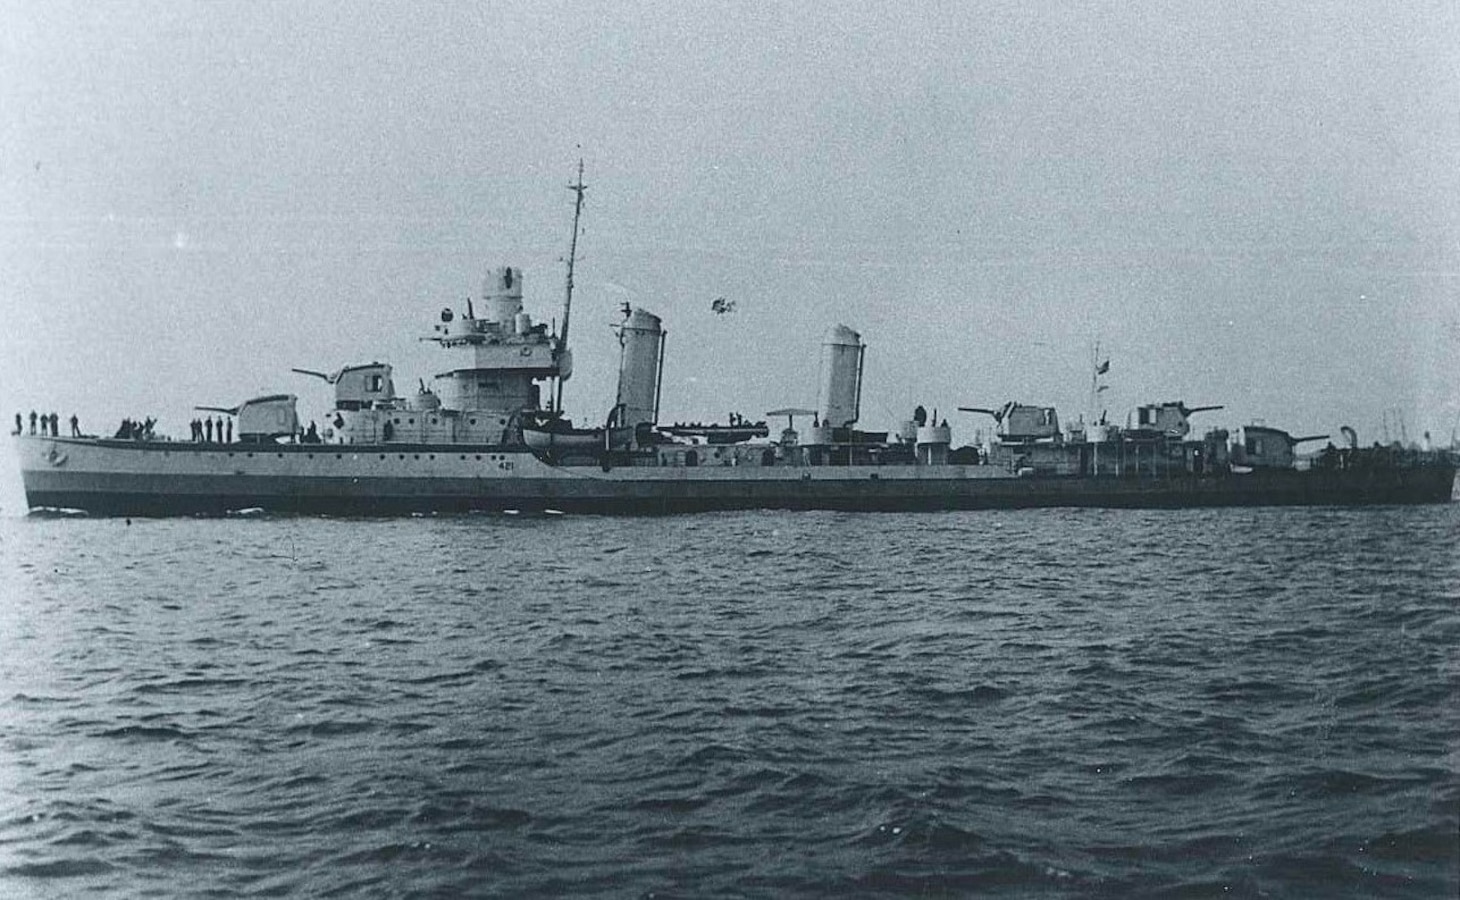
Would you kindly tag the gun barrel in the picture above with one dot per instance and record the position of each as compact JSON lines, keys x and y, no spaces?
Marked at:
{"x":320,"y":375}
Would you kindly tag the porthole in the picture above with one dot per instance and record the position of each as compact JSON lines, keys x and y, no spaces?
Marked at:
{"x":418,"y":456}
{"x":473,"y":421}
{"x":479,"y":457}
{"x":402,"y":456}
{"x":411,"y":421}
{"x":432,"y":456}
{"x":382,"y":456}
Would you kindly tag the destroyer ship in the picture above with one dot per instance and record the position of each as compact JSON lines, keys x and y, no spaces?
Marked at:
{"x":490,"y":435}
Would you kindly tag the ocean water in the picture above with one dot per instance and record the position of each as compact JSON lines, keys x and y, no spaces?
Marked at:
{"x":1254,"y":703}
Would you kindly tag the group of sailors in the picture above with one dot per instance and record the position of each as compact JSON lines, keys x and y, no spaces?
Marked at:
{"x":204,"y":430}
{"x":130,"y":430}
{"x":49,"y":423}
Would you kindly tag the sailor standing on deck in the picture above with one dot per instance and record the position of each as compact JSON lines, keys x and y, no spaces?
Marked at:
{"x":75,"y":426}
{"x":19,"y":425}
{"x":32,"y":421}
{"x":208,"y":429}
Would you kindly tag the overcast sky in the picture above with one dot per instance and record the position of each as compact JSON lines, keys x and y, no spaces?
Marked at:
{"x":1247,"y":203}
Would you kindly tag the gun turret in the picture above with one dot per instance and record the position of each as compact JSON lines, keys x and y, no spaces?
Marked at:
{"x":1270,"y":448}
{"x":1168,"y":418}
{"x":1020,"y":422}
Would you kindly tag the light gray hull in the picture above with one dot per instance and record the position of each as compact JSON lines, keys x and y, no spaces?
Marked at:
{"x":133,"y":478}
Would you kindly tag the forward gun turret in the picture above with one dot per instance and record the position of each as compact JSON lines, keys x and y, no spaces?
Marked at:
{"x":358,"y":387}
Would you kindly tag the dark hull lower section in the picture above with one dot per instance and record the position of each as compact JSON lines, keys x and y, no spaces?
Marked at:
{"x":392,"y":496}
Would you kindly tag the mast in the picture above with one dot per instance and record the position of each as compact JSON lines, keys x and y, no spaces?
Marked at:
{"x":578,"y":187}
{"x":1096,"y":371}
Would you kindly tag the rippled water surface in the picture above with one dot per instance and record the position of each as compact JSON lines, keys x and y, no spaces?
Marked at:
{"x":1047,"y":703}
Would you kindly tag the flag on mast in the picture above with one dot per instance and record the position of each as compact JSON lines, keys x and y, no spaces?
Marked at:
{"x":1103,"y":368}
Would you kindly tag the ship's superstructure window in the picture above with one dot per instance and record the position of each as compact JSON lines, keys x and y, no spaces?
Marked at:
{"x":375,"y":383}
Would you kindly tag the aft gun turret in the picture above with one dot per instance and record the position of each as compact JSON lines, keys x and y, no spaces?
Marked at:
{"x":1019,"y":423}
{"x":1169,"y":418}
{"x":1260,"y":447}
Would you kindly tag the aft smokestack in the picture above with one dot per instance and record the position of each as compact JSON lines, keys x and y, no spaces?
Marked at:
{"x":841,"y":372}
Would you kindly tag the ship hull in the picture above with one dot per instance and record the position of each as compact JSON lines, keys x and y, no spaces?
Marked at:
{"x":164,"y":479}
